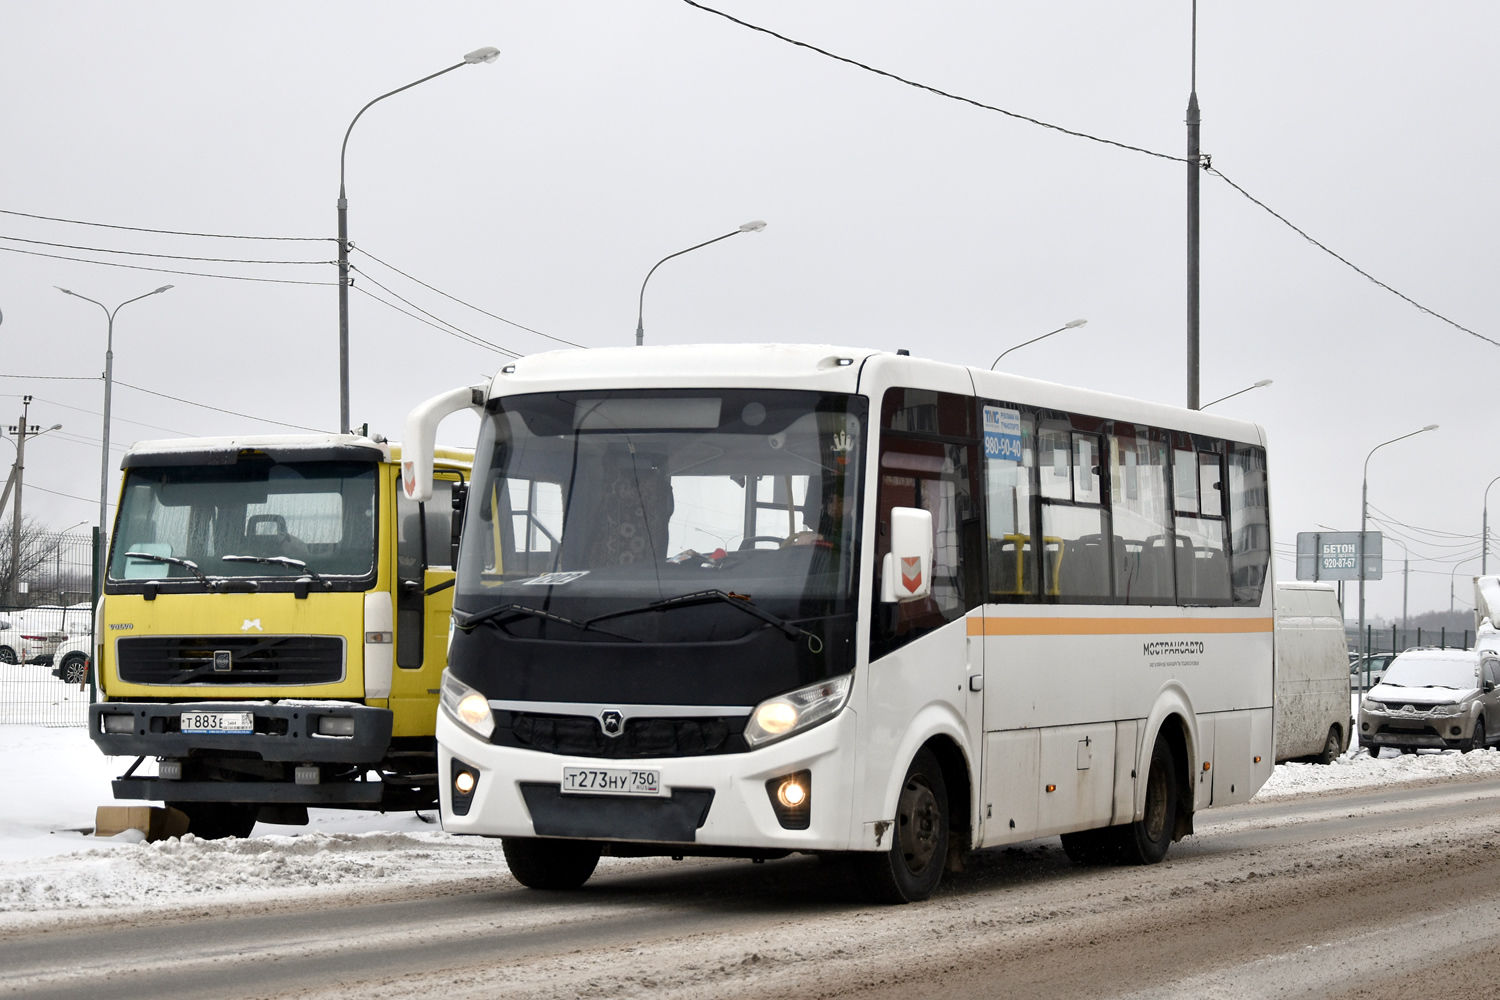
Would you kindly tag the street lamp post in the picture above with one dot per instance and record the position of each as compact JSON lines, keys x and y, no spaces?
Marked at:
{"x":1364,"y":514}
{"x":1451,"y":574}
{"x":488,"y":54}
{"x":109,"y":378}
{"x":1259,"y":385}
{"x":1484,"y":552}
{"x":640,"y":312}
{"x":1071,"y":324}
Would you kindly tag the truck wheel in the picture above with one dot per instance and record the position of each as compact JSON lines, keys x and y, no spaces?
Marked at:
{"x":1373,"y":749}
{"x":1331,"y":747}
{"x":551,"y":864}
{"x":1480,"y":739}
{"x":217,"y":820}
{"x":910,"y":870}
{"x":1145,"y":841}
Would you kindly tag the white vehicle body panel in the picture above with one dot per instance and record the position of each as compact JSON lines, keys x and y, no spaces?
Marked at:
{"x":1312,"y":669}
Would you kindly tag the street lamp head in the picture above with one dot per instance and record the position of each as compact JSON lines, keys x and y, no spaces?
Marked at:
{"x":163,"y":288}
{"x":1074,"y":324}
{"x":1430,"y":427}
{"x":1261,"y":384}
{"x":65,"y":291}
{"x":753,"y":227}
{"x":488,"y":54}
{"x":55,"y":427}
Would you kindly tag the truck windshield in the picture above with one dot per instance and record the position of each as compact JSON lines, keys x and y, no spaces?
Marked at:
{"x":319,"y":513}
{"x":593,"y":503}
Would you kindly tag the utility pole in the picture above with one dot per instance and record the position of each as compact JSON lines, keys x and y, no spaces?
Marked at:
{"x":1193,"y":160}
{"x":20,"y":431}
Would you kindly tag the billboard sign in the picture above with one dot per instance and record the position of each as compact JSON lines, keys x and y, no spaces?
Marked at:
{"x":1338,"y":555}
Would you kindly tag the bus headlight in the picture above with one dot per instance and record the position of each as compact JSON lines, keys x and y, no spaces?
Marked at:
{"x":797,"y":710}
{"x":468,"y":707}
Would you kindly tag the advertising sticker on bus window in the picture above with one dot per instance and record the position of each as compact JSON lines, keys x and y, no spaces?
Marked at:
{"x":554,"y":579}
{"x":1002,"y":433}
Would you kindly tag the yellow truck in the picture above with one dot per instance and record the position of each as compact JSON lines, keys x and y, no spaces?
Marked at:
{"x":274,"y":625}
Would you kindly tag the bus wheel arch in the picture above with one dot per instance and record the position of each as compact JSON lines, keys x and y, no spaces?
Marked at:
{"x":1174,"y":732}
{"x":958,"y":779}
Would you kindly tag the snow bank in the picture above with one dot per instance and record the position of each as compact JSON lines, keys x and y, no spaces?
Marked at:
{"x":1358,"y":770}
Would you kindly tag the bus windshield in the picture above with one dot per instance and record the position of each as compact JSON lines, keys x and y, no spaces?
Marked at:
{"x":280,"y":519}
{"x":598,"y":502}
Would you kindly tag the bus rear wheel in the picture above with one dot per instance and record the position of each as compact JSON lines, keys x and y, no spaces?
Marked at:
{"x":911,"y":869}
{"x":1145,"y":841}
{"x":551,"y":864}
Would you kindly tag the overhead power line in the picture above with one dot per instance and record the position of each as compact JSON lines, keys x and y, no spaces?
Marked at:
{"x":220,"y":409}
{"x":454,"y":332}
{"x":166,"y":256}
{"x":1099,"y":139}
{"x":934,"y":90}
{"x":166,"y":270}
{"x":169,"y":232}
{"x":455,"y":298}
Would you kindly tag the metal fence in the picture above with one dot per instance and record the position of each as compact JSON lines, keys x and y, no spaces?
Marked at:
{"x":46,"y":625}
{"x":1396,"y":639}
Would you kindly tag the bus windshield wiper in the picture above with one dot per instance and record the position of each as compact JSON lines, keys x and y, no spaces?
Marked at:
{"x":708,"y":597}
{"x":186,"y":564}
{"x":286,"y":561}
{"x":467,"y":622}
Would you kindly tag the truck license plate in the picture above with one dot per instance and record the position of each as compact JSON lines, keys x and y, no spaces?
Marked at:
{"x":217,"y":722}
{"x":611,"y":781}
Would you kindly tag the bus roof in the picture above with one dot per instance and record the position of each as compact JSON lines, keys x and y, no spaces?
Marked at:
{"x":831,"y":368}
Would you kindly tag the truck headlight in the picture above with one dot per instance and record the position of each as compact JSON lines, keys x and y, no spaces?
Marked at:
{"x":797,"y":710}
{"x":468,"y":707}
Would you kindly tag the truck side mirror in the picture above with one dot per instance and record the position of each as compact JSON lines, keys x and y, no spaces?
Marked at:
{"x":906,"y":573}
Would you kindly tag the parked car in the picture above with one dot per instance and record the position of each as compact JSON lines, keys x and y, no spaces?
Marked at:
{"x":72,"y":659}
{"x":1378,"y":664}
{"x":1434,"y":698}
{"x":28,"y":637}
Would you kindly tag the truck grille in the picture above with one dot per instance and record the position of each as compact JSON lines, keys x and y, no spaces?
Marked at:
{"x":644,"y":737}
{"x":262,"y":661}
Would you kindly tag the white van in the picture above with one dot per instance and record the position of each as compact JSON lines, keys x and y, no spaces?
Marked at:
{"x":1312,"y":673}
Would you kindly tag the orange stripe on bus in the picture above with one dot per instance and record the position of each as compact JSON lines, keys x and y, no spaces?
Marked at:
{"x":1114,"y":626}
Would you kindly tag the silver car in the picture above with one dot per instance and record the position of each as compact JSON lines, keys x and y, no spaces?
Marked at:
{"x":1443,"y":699}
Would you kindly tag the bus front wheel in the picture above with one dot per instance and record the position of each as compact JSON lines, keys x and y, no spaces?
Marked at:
{"x":551,"y":864}
{"x":910,"y":870}
{"x":1145,"y":841}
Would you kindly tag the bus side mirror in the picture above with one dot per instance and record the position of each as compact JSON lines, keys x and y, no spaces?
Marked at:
{"x":419,"y":437}
{"x":906,"y":574}
{"x":460,"y":500}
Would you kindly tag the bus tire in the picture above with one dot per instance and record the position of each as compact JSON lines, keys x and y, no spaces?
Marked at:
{"x":1145,"y":841}
{"x":217,"y":820}
{"x":539,"y":863}
{"x":1331,"y":747}
{"x":911,"y":869}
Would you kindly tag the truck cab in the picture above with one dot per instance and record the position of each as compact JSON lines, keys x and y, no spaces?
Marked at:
{"x":273,"y":627}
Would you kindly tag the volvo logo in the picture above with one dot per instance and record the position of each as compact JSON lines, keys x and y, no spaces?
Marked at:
{"x":612,"y":722}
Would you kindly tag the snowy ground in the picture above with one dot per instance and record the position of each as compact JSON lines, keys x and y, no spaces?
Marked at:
{"x":54,"y":778}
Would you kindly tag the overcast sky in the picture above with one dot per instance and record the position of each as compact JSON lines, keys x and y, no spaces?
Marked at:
{"x":609,"y":134}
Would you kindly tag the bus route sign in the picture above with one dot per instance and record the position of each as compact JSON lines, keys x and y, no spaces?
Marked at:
{"x":1002,"y":433}
{"x":1337,"y":555}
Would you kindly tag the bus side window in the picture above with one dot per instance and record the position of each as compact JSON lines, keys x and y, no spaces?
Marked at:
{"x":1249,"y":524}
{"x":1141,"y":510}
{"x":1202,"y":538}
{"x":1010,"y":450}
{"x":920,"y":469}
{"x":1077,"y":547}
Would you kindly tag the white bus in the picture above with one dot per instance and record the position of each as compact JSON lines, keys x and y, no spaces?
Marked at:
{"x":751,"y":600}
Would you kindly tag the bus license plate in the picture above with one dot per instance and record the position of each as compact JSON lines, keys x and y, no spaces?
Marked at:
{"x":610,"y":781}
{"x":217,"y":722}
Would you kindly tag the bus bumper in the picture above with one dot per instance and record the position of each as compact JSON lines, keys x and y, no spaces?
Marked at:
{"x":717,"y":803}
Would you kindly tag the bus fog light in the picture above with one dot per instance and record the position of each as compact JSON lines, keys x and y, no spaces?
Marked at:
{"x":465,"y":781}
{"x":119,"y":724}
{"x":791,"y":799}
{"x":335,"y":725}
